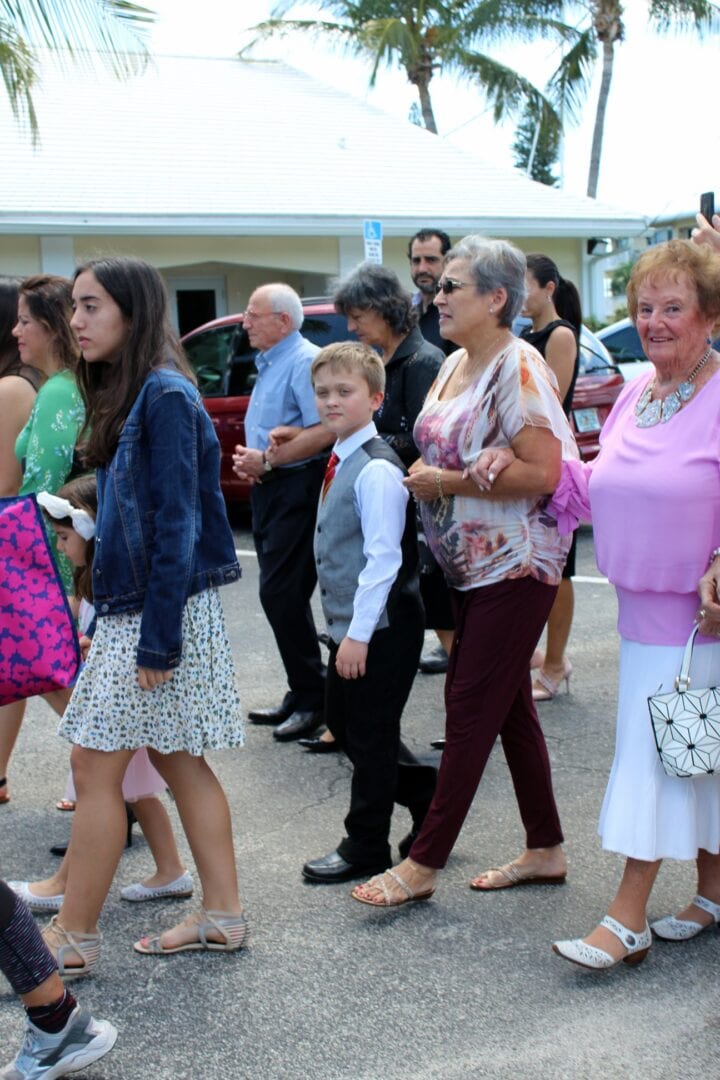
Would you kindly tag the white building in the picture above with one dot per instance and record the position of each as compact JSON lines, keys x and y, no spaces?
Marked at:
{"x":225,"y":174}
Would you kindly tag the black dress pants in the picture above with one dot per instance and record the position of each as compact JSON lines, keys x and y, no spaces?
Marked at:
{"x":364,"y":716}
{"x":283,"y":519}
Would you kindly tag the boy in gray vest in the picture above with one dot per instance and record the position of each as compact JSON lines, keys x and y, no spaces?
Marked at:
{"x":366,"y":556}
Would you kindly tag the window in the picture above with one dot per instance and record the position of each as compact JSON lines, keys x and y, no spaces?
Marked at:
{"x":209,"y":354}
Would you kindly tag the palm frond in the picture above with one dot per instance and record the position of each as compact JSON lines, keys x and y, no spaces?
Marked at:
{"x":117,"y":29}
{"x":17,"y":68}
{"x":684,"y":15}
{"x":569,"y":83}
{"x":338,"y":33}
{"x":508,"y":91}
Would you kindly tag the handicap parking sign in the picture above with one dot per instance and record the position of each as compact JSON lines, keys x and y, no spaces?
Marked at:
{"x":372,"y":236}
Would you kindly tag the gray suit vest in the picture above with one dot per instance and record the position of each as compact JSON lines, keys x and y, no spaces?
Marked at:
{"x":339,"y":544}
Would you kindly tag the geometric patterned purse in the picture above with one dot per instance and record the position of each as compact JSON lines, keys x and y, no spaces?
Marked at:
{"x":39,"y":648}
{"x":686,"y":724}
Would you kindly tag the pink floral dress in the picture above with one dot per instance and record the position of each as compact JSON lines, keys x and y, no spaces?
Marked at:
{"x":481,"y":541}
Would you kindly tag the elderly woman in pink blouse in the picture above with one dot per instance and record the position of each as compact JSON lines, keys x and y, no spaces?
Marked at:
{"x":653,"y":495}
{"x":502,"y":556}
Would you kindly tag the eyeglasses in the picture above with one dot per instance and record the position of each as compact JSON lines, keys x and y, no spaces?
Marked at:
{"x":449,"y":285}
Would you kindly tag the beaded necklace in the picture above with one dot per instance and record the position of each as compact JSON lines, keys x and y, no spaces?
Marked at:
{"x":658,"y":411}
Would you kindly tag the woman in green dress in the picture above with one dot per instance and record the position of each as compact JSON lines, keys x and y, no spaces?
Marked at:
{"x":46,"y":444}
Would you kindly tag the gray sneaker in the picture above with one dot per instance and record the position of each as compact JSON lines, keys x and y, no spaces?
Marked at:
{"x":82,"y":1041}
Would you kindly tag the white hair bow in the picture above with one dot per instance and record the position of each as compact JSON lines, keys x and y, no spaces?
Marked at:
{"x":59,"y":508}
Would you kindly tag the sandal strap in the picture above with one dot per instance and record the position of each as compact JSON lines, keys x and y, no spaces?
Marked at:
{"x":410,"y":893}
{"x":629,"y":938}
{"x":86,"y":946}
{"x":551,"y":685}
{"x":232,"y":925}
{"x":707,"y":905}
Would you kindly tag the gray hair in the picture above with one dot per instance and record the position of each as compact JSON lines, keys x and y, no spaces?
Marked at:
{"x":495,"y":264}
{"x":370,"y":287}
{"x":285,"y":301}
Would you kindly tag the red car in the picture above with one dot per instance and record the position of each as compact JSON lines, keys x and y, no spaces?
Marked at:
{"x":224,"y":362}
{"x":598,"y":384}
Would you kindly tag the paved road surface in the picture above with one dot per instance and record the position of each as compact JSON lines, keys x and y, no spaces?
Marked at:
{"x":461,"y":988}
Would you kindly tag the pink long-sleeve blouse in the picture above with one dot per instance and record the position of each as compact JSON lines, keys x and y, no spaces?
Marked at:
{"x":653,"y":496}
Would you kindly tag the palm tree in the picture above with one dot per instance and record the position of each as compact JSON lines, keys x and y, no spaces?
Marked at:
{"x":114,"y":29}
{"x":428,"y":36}
{"x":603,"y":29}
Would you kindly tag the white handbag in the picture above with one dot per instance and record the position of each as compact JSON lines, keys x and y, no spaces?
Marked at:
{"x":686,"y":724}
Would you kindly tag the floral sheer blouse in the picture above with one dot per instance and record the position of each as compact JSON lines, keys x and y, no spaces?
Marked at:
{"x":481,"y":541}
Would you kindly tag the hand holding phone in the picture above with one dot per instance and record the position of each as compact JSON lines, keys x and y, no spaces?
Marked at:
{"x":707,"y":231}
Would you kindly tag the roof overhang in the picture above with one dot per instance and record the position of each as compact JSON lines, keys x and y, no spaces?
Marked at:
{"x":99,"y":224}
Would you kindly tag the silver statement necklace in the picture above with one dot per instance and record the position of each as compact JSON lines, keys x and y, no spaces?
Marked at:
{"x":649,"y":411}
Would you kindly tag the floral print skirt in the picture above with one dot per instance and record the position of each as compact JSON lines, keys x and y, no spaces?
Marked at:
{"x":198,"y":709}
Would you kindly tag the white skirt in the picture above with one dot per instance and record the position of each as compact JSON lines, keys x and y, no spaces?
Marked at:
{"x":647,"y":814}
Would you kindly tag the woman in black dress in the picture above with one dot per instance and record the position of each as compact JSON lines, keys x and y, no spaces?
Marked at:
{"x":553,"y":304}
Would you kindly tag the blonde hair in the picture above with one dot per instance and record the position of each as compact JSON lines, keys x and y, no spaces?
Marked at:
{"x":676,"y":259}
{"x":356,"y":359}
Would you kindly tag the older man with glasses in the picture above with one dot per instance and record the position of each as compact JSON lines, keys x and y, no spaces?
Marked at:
{"x":286,"y":474}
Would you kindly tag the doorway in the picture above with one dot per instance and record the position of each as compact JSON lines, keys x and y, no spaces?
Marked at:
{"x":194,"y":301}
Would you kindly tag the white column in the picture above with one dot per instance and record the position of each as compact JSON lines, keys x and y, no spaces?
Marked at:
{"x":350,"y":252}
{"x":57,"y":255}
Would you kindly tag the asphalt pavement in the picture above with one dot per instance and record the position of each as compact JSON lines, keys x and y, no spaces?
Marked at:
{"x":462,"y":987}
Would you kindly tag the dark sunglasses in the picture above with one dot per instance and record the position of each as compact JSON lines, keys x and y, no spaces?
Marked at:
{"x":449,"y":285}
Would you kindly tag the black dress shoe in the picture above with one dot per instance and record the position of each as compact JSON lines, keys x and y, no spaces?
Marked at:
{"x":332,"y":869}
{"x":316,"y":745}
{"x":435,"y":662}
{"x":271,"y":716}
{"x":438,"y":744}
{"x":300,"y":722}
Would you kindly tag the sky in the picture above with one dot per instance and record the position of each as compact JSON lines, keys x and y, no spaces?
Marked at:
{"x":662,"y":138}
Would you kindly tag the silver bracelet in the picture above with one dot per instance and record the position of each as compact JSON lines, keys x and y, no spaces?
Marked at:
{"x":713,"y":556}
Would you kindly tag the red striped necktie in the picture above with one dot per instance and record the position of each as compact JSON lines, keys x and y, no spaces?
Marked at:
{"x":333,"y":462}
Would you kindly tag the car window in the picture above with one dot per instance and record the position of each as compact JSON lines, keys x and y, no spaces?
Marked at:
{"x":324,"y":329}
{"x":243,"y":372}
{"x":208,"y":354}
{"x":224,"y":360}
{"x":625,"y":344}
{"x":594,"y":358}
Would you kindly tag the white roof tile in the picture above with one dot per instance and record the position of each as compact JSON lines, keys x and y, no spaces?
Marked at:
{"x":204,"y":145}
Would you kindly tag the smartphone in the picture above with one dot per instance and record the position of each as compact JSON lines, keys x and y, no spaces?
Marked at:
{"x":707,"y":205}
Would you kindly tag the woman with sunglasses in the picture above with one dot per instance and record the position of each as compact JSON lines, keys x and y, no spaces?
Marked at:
{"x":502,"y":557}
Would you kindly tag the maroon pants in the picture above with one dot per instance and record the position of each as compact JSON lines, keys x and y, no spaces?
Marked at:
{"x":488,"y":692}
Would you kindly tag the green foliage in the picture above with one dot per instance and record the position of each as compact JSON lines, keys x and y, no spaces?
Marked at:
{"x":425,"y":37}
{"x":115,"y":29}
{"x":620,"y":277}
{"x":537,"y":138}
{"x":593,"y":323}
{"x":600,"y":29}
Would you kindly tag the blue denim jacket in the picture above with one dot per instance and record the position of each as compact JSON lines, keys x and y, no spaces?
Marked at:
{"x":162,"y":530}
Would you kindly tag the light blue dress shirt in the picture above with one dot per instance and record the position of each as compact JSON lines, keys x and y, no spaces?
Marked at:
{"x":283,"y":393}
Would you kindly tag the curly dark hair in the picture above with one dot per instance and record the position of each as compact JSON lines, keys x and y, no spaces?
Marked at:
{"x":376,"y":288}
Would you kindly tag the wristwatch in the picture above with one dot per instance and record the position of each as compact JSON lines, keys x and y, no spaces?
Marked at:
{"x":266,"y":464}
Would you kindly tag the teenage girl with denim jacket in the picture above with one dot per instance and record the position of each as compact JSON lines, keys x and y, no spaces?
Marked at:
{"x":162,"y":546}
